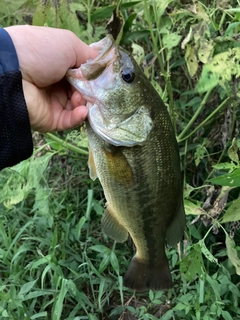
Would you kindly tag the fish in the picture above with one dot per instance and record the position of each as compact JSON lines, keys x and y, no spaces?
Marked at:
{"x":134,"y":153}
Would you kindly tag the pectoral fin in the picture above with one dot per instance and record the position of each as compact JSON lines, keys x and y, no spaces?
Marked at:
{"x":91,"y":166}
{"x":118,"y":166}
{"x":176,"y":228}
{"x":112,"y":228}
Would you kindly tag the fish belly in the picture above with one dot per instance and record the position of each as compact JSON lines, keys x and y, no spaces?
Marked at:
{"x":142,"y":186}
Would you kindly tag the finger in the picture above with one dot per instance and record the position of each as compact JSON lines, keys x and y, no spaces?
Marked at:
{"x":77,"y":99}
{"x":69,"y":119}
{"x":83,"y":52}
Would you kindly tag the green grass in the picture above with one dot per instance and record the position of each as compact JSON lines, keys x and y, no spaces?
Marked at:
{"x":55,"y":262}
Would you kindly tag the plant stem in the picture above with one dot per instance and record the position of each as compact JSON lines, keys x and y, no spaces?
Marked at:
{"x":161,"y":64}
{"x":194,"y":117}
{"x":203,"y":122}
{"x":222,"y":20}
{"x":66,"y":144}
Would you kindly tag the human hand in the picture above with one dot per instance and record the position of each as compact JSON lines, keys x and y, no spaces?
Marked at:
{"x":45,"y":54}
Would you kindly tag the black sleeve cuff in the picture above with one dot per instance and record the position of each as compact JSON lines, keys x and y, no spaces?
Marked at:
{"x":8,"y":55}
{"x":15,"y":132}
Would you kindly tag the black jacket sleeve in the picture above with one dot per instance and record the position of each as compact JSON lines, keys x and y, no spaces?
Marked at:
{"x":15,"y":132}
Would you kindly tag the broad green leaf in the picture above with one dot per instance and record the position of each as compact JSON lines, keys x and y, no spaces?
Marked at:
{"x":191,"y":208}
{"x":168,"y":315}
{"x":101,"y":292}
{"x":27,"y":287}
{"x":129,"y":22}
{"x":191,"y":60}
{"x":194,"y":102}
{"x":106,"y":11}
{"x":114,"y":262}
{"x":23,"y":178}
{"x":220,"y":70}
{"x":206,"y":252}
{"x":214,"y":285}
{"x":39,"y":262}
{"x":151,"y":295}
{"x":229,"y":179}
{"x":102,"y":13}
{"x":161,"y":6}
{"x":187,"y":191}
{"x":192,"y":266}
{"x":138,"y":53}
{"x":7,"y":6}
{"x":200,"y":152}
{"x":76,"y":231}
{"x":200,"y":30}
{"x":226,"y":315}
{"x":230,"y":166}
{"x":68,"y":18}
{"x":231,"y":28}
{"x":135,"y":36}
{"x":57,"y":310}
{"x":41,"y":315}
{"x":78,"y":6}
{"x":205,"y":50}
{"x":100,"y":248}
{"x":170,"y":41}
{"x":233,"y":151}
{"x":58,"y":14}
{"x":233,"y":212}
{"x":41,"y":200}
{"x":232,"y":253}
{"x":44,"y":14}
{"x":104,"y":263}
{"x":207,"y":81}
{"x":35,"y":294}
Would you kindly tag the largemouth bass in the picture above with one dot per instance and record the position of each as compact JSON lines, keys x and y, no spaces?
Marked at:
{"x":134,"y":153}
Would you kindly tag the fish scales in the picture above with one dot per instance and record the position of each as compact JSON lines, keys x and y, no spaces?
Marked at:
{"x":137,"y":163}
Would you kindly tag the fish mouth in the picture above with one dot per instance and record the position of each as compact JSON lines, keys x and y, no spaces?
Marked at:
{"x":93,"y":68}
{"x":89,"y":72}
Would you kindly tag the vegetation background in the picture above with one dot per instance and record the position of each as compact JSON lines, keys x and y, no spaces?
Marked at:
{"x":55,"y":263}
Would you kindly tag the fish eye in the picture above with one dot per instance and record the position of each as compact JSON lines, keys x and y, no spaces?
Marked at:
{"x":128,"y":75}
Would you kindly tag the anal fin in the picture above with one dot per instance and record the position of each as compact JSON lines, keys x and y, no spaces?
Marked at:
{"x":112,"y":228}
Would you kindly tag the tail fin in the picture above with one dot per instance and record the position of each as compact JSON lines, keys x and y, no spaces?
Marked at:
{"x":142,"y":276}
